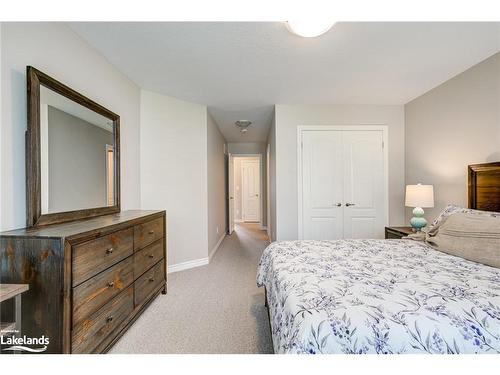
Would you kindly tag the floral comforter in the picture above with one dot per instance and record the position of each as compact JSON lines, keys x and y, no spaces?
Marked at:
{"x":378,"y":296}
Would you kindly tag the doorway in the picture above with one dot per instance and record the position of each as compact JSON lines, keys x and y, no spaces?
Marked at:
{"x":245,"y":188}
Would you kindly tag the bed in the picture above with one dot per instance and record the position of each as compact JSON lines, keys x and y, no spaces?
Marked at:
{"x":384,"y":296}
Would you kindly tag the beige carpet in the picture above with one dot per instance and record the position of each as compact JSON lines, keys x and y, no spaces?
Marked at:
{"x":212,"y":309}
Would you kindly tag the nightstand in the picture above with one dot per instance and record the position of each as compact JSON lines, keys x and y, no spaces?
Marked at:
{"x":8,"y":291}
{"x":398,"y":232}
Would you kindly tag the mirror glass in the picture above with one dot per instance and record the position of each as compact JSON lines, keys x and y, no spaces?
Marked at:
{"x":77,"y":156}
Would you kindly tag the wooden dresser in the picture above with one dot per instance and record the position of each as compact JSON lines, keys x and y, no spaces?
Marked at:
{"x":88,"y":279}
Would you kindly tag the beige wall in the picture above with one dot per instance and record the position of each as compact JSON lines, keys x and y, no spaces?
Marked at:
{"x":288,"y":118}
{"x":76,"y":163}
{"x":246,"y":147}
{"x":216,"y":181}
{"x":271,"y":142}
{"x":1,"y":136}
{"x":56,"y":50}
{"x":450,"y":127}
{"x":174,"y":172}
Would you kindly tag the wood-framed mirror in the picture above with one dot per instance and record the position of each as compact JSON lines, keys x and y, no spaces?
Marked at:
{"x":72,"y":154}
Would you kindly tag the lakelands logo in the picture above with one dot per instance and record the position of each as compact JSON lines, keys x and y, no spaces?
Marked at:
{"x":25,"y":343}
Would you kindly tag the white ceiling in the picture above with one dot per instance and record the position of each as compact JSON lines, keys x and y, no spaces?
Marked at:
{"x":241,"y":69}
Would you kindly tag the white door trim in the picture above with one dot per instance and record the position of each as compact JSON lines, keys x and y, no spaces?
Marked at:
{"x":260,"y":180}
{"x":230,"y":195}
{"x":377,"y":127}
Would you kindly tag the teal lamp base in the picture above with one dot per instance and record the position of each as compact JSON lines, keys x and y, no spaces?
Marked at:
{"x":418,"y":221}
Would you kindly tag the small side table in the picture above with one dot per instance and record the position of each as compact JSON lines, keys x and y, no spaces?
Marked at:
{"x":398,"y":232}
{"x":8,"y":291}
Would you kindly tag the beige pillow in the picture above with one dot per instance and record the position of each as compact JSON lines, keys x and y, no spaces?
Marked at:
{"x":469,"y":236}
{"x":453,"y":209}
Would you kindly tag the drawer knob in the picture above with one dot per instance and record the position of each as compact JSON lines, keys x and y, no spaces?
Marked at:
{"x":151,"y":279}
{"x":151,"y":256}
{"x":151,"y":232}
{"x":111,"y":284}
{"x":109,"y":251}
{"x":109,"y":319}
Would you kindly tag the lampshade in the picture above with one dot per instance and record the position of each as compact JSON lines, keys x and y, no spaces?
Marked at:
{"x":419,"y":196}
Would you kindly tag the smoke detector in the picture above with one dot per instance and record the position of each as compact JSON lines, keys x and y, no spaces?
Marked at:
{"x":243,"y":125}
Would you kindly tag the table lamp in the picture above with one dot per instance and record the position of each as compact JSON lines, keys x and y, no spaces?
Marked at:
{"x":419,"y":196}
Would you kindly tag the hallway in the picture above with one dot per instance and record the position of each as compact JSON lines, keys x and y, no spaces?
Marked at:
{"x":211,"y":309}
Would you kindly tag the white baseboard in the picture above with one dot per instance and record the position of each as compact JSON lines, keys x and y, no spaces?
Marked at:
{"x":238,"y":221}
{"x":197,"y":262}
{"x":187,"y":265}
{"x":216,"y":247}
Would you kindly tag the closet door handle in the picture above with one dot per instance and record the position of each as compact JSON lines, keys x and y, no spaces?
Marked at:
{"x":338,"y":204}
{"x":350,"y":204}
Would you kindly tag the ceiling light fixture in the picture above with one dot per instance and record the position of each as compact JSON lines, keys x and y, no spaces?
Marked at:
{"x":309,"y":28}
{"x":243,"y":125}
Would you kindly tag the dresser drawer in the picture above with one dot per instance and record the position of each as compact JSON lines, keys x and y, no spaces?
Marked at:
{"x":95,"y":328}
{"x":144,"y":259}
{"x":91,"y":295}
{"x":148,"y":282}
{"x":147,"y":233}
{"x":92,"y":257}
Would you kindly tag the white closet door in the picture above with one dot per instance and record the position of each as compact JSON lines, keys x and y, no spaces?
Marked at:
{"x":364,"y":196}
{"x":322,"y":185}
{"x":250,"y":172}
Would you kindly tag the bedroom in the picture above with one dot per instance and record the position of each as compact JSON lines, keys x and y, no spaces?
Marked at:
{"x":358,"y":137}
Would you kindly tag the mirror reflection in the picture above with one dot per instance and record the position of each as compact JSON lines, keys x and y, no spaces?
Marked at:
{"x":77,"y":155}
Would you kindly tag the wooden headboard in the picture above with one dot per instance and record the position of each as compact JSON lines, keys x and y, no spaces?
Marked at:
{"x":484,"y":186}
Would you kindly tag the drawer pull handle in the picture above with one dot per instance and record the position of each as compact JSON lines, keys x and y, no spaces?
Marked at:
{"x":151,"y":256}
{"x":151,"y":279}
{"x":109,"y":251}
{"x":111,"y":284}
{"x":151,"y":232}
{"x":109,"y":319}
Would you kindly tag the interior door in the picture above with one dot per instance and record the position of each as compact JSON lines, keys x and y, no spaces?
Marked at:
{"x":230,"y":202}
{"x":250,"y":174}
{"x":364,"y":198}
{"x":322,"y":175}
